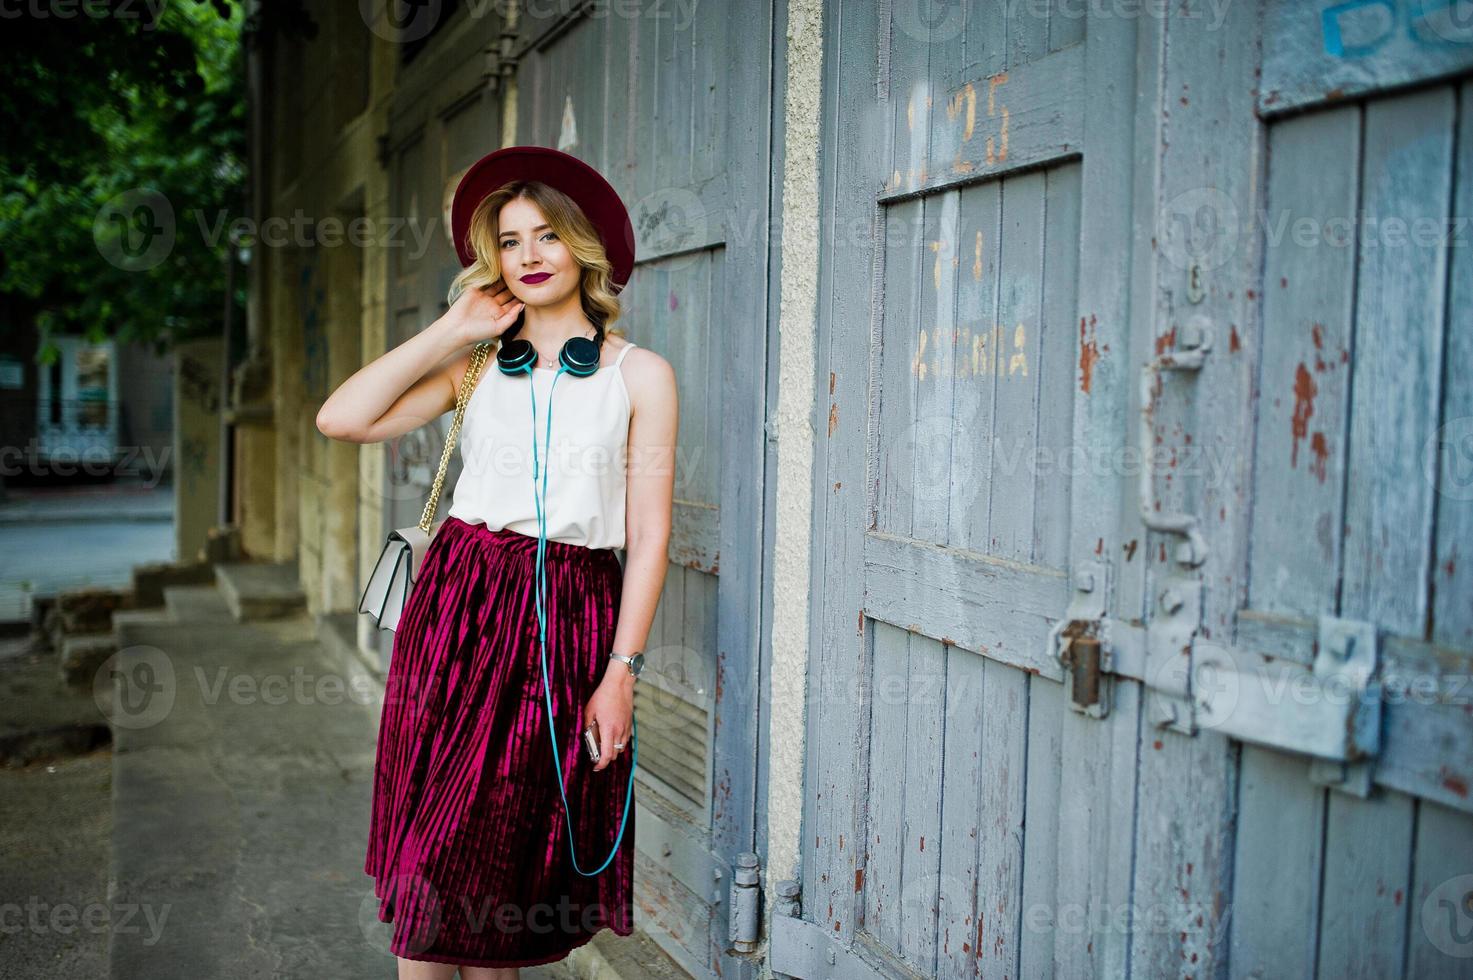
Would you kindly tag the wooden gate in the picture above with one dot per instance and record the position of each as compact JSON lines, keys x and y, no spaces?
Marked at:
{"x":672,"y":103}
{"x":1133,"y":534}
{"x":444,"y":117}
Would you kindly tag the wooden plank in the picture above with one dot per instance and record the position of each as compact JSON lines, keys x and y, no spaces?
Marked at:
{"x":1000,"y":834}
{"x":884,"y":839}
{"x":1027,"y":34}
{"x":1028,"y":116}
{"x":649,"y":75}
{"x":851,"y":338}
{"x":900,"y":382}
{"x":690,"y":328}
{"x":1442,"y":863}
{"x":920,"y":784}
{"x":1329,"y":50}
{"x":1427,"y":730}
{"x":1015,"y":426}
{"x":1452,"y":614}
{"x":1277,"y":865}
{"x":975,"y":390}
{"x":709,"y":34}
{"x":1067,"y":908}
{"x":1363,"y":924}
{"x":1304,"y":374}
{"x":933,"y":433}
{"x":1396,"y":386}
{"x":739,"y":283}
{"x":1001,"y":609}
{"x":1043,"y":835}
{"x":1056,"y":466}
{"x":912,"y":101}
{"x":961,"y":817}
{"x":985,"y":46}
{"x":1185,"y":793}
{"x":620,"y":84}
{"x":1078,"y":852}
{"x":1065,"y":24}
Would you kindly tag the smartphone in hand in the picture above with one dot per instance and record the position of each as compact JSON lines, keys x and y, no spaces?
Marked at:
{"x":590,"y":739}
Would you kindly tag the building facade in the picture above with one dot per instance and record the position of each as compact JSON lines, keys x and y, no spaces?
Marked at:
{"x":1073,"y":476}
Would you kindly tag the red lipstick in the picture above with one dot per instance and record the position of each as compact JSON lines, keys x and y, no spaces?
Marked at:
{"x":533,"y":278}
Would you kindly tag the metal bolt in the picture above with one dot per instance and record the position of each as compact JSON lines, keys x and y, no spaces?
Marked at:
{"x":1171,"y":600}
{"x":1342,"y":646}
{"x":1084,"y":581}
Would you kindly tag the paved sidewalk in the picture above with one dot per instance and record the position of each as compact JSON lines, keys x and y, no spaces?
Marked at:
{"x":55,"y":822}
{"x":241,"y":802}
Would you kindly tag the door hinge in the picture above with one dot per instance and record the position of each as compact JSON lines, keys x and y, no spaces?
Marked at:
{"x":744,"y":907}
{"x":801,"y":950}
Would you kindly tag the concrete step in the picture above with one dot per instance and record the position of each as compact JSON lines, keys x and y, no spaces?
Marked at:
{"x":82,"y":656}
{"x":338,"y":634}
{"x":150,"y":579}
{"x":43,"y":718}
{"x":260,"y":590}
{"x":196,"y":604}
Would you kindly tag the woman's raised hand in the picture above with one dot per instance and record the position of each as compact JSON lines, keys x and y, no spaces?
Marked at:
{"x":485,"y":313}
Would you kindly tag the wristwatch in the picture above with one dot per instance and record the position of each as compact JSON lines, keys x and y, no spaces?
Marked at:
{"x":634,"y":663}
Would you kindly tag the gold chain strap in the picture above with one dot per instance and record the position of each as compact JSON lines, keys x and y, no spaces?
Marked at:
{"x":472,"y":372}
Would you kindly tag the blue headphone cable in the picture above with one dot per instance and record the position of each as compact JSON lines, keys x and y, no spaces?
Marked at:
{"x":542,"y":632}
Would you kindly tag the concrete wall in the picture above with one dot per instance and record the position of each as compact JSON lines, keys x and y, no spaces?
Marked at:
{"x":197,"y":405}
{"x":318,"y":292}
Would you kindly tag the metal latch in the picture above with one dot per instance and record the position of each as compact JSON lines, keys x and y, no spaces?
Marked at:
{"x":1075,"y":642}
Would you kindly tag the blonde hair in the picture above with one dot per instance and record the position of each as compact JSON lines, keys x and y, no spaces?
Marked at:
{"x":570,"y":224}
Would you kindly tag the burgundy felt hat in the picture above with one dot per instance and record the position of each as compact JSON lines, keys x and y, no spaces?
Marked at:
{"x":585,"y":185}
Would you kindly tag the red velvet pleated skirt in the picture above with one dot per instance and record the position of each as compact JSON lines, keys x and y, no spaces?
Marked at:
{"x":468,"y":841}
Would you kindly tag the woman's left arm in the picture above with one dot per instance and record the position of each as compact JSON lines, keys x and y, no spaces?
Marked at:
{"x":653,"y":427}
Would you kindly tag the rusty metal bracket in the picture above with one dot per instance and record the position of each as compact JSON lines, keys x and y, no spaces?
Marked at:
{"x":1074,"y":641}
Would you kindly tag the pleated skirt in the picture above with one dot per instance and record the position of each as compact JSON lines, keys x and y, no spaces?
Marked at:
{"x":468,"y":841}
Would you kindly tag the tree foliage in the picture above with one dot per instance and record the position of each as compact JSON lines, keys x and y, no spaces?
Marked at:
{"x":123,"y":164}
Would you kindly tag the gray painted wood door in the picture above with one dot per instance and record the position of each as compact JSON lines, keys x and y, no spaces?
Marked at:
{"x":1109,"y":469}
{"x":972,"y":175}
{"x":672,"y":103}
{"x":444,"y":117}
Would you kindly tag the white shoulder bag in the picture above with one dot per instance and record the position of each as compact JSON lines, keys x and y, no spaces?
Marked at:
{"x":398,"y":565}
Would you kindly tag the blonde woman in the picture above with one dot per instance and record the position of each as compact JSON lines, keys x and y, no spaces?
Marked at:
{"x":495,"y":840}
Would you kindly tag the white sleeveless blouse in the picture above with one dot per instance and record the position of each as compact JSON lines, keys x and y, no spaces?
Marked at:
{"x":586,"y":468}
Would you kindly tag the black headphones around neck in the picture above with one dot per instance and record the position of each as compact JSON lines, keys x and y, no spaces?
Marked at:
{"x":579,"y":356}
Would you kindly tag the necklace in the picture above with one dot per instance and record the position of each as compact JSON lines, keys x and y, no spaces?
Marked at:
{"x":549,"y":365}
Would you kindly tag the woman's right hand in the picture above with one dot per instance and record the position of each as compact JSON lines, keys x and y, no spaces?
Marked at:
{"x":485,"y":313}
